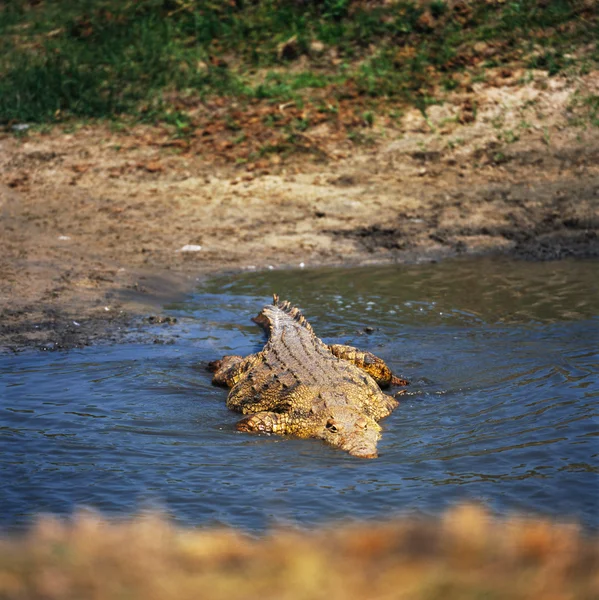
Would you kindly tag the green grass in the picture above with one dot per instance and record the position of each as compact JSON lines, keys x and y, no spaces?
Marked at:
{"x":106,"y":58}
{"x":592,"y":103}
{"x":585,"y":109}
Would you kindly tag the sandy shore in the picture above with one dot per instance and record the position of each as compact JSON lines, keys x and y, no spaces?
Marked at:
{"x":99,"y":226}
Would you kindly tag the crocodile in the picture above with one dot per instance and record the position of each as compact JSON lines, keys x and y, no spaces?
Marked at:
{"x":298,"y":385}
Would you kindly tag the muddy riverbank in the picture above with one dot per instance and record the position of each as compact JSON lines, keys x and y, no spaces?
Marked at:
{"x":99,"y":225}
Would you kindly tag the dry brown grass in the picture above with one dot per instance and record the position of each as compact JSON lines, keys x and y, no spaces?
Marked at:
{"x":465,"y":554}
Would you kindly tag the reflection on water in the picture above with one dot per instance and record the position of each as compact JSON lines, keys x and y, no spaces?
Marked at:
{"x":503,"y":406}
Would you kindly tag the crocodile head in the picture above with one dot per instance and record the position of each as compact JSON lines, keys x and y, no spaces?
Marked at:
{"x":352,"y":431}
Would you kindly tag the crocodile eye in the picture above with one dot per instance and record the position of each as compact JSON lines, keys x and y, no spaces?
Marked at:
{"x":331,"y":426}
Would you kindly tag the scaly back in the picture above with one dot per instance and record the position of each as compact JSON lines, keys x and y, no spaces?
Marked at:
{"x":294,"y":347}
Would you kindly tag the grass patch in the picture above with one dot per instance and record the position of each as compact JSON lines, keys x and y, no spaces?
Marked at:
{"x":108,"y":58}
{"x":585,"y":109}
{"x":591,"y":103}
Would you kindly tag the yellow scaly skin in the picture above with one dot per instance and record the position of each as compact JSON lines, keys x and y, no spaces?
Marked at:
{"x":297,"y":385}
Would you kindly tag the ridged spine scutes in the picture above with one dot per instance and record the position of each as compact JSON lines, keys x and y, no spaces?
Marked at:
{"x":294,"y":312}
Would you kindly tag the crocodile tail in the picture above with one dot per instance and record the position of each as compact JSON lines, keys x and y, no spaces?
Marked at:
{"x":264,"y":319}
{"x":294,"y":312}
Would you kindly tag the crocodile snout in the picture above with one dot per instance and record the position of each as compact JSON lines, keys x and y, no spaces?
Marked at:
{"x":361,"y":439}
{"x":364,"y":452}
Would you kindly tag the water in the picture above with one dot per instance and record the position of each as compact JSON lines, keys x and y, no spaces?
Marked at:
{"x":503,"y":357}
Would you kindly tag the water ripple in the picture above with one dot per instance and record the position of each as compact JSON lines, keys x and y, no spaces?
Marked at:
{"x":503,"y":359}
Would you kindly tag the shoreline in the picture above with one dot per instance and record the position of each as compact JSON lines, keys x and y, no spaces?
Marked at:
{"x":98,"y":224}
{"x":60,"y":328}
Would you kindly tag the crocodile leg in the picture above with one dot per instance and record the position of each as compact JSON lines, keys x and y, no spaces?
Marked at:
{"x":274,"y":393}
{"x":265,"y":422}
{"x":368,"y":362}
{"x":385,"y":406}
{"x":230,"y":369}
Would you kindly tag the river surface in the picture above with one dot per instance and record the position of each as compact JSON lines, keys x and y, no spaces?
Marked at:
{"x":502,"y":409}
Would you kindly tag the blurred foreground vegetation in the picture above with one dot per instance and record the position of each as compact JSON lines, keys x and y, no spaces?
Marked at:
{"x":464,"y":555}
{"x":152,"y":60}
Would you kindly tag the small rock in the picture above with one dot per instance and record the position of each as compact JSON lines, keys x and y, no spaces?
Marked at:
{"x":153,"y":167}
{"x":426,"y":21}
{"x":414,"y":121}
{"x":160,"y":319}
{"x":289,"y":49}
{"x":262,"y":164}
{"x":483,"y":49}
{"x":317,"y":47}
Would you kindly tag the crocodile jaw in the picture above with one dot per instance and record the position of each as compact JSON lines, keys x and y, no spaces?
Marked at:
{"x":363,"y":451}
{"x":363,"y":444}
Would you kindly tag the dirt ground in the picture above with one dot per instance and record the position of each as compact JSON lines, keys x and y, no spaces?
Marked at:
{"x":98,"y":226}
